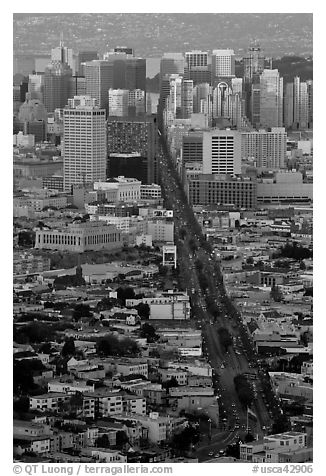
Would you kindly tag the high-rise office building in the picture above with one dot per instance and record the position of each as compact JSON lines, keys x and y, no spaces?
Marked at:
{"x":77,"y":86}
{"x":180,"y":100}
{"x":32,"y":118}
{"x":124,"y":49}
{"x":187,"y":98}
{"x":288,"y":105}
{"x":36,"y":86}
{"x":63,"y":55}
{"x":268,"y":149}
{"x":136,"y":102}
{"x":254,"y":111}
{"x":202,"y":99}
{"x":56,"y":85}
{"x":126,"y":103}
{"x":99,"y":79}
{"x":118,"y":102}
{"x":223,"y":64}
{"x":84,"y":142}
{"x":310,"y":102}
{"x":253,"y":64}
{"x":135,"y":135}
{"x":198,"y":66}
{"x":82,"y":58}
{"x":126,"y":71}
{"x":297,"y":104}
{"x":192,"y":147}
{"x":271,"y":99}
{"x":221,"y":152}
{"x":172,"y":63}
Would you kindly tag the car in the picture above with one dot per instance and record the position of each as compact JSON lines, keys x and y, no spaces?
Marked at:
{"x":236,"y":427}
{"x":211,"y":453}
{"x":217,"y":455}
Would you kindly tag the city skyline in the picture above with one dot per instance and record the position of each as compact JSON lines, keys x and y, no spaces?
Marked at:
{"x":163,"y":239}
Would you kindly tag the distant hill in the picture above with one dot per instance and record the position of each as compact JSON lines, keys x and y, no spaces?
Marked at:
{"x":152,"y":34}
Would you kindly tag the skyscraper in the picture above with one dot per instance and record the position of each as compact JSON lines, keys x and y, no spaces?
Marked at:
{"x":172,"y":63}
{"x":253,"y":64}
{"x":254,"y":111}
{"x":32,"y":118}
{"x":84,"y":142}
{"x":267,"y":148}
{"x":118,"y":102}
{"x":221,"y":152}
{"x":99,"y":79}
{"x":192,"y":147}
{"x":198,"y":66}
{"x":271,"y":98}
{"x":127,"y":72}
{"x":298,"y":104}
{"x":56,"y":85}
{"x":82,"y":58}
{"x":63,"y":55}
{"x":180,"y":100}
{"x":135,"y":134}
{"x":223,"y":64}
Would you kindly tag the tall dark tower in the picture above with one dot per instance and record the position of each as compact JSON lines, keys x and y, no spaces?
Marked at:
{"x":253,"y":66}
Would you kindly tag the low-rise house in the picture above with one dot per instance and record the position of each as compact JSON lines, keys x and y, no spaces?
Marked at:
{"x":48,"y":401}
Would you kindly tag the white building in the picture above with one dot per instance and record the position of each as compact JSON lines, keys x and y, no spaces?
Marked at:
{"x":118,"y":102}
{"x":161,"y":230}
{"x":84,"y":142}
{"x":135,"y":366}
{"x":125,"y":189}
{"x":268,"y":149}
{"x":271,"y":98}
{"x":152,"y":192}
{"x":80,"y":237}
{"x":222,"y":152}
{"x":170,"y":311}
{"x":21,"y":140}
{"x":223,"y":63}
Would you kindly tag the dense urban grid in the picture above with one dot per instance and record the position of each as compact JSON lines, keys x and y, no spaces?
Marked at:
{"x":163,"y":270}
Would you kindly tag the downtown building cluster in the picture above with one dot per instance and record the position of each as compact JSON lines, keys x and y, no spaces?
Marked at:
{"x":110,"y":364}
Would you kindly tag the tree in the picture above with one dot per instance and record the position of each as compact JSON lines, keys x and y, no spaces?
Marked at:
{"x":170,"y":383}
{"x":26,"y":239}
{"x":143,"y":310}
{"x":68,"y":348}
{"x":250,"y":260}
{"x":111,"y":345}
{"x":233,"y":450}
{"x":102,"y":441}
{"x":281,"y":424}
{"x":22,"y":377}
{"x":121,"y":438}
{"x":148,"y":332}
{"x":244,"y":390}
{"x":163,"y":270}
{"x":21,"y":405}
{"x":249,"y":438}
{"x":80,"y":311}
{"x":182,"y":233}
{"x":192,"y":245}
{"x":125,"y":293}
{"x":225,"y":338}
{"x":183,"y":441}
{"x":276,"y":294}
